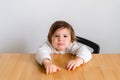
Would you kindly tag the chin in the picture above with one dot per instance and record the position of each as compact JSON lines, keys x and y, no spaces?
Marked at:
{"x":61,"y":49}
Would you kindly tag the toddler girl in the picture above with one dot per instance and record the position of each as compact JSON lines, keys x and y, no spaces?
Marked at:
{"x":62,"y":39}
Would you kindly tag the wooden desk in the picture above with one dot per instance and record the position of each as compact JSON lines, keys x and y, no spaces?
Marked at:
{"x":24,"y":67}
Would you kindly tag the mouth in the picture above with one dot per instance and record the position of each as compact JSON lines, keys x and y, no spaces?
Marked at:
{"x":60,"y":44}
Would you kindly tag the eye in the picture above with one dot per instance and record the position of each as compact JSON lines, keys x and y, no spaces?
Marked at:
{"x":55,"y":36}
{"x":65,"y":36}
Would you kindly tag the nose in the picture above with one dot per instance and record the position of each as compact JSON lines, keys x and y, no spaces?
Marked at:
{"x":61,"y":38}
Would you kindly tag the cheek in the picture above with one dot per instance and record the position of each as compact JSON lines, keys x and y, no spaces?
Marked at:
{"x":68,"y":42}
{"x":54,"y":41}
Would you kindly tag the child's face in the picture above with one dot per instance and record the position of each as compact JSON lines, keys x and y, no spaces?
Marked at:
{"x":61,"y":39}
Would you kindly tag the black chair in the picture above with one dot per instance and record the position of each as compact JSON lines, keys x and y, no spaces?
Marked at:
{"x":93,"y":45}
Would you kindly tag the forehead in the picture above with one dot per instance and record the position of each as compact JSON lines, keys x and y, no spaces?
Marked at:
{"x":62,"y":30}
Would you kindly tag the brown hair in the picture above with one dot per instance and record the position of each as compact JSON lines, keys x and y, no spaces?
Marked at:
{"x":61,"y":24}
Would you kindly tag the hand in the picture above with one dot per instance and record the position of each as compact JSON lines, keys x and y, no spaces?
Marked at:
{"x":74,"y":63}
{"x":50,"y":67}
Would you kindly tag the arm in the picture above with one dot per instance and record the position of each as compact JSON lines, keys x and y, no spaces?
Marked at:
{"x":49,"y":66}
{"x":43,"y":57}
{"x":83,"y":55}
{"x":74,"y":63}
{"x":43,"y":52}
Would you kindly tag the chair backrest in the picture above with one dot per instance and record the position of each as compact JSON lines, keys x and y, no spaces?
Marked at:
{"x":93,"y":45}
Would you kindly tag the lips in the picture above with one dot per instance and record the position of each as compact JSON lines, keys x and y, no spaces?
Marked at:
{"x":60,"y":44}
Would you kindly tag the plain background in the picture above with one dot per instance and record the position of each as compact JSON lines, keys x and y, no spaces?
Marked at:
{"x":24,"y":24}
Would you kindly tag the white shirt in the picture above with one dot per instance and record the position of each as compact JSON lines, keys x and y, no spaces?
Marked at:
{"x":74,"y":48}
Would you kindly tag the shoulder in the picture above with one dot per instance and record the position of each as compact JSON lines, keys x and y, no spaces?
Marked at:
{"x":76,"y":44}
{"x":45,"y":45}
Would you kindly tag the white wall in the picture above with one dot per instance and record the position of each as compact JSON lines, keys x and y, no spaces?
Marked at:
{"x":24,"y":24}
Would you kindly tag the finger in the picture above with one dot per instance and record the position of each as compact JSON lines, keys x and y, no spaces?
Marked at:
{"x":74,"y":67}
{"x":47,"y":70}
{"x":71,"y":66}
{"x":58,"y":69}
{"x":51,"y":70}
{"x":55,"y":69}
